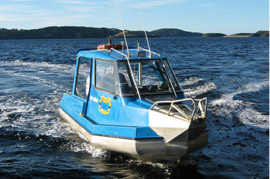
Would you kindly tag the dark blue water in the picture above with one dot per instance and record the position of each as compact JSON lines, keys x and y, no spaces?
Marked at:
{"x":232,"y":72}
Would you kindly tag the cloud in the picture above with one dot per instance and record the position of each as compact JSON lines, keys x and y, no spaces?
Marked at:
{"x":156,"y":3}
{"x":77,"y":6}
{"x":146,"y":4}
{"x":74,"y":12}
{"x":15,"y":13}
{"x":15,"y":8}
{"x":3,"y":18}
{"x":21,"y":0}
{"x":80,"y":9}
{"x":74,"y":2}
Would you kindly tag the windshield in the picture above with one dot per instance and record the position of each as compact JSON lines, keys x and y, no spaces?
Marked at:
{"x":150,"y":77}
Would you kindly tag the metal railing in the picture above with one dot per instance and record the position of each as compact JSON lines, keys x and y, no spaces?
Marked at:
{"x":196,"y":111}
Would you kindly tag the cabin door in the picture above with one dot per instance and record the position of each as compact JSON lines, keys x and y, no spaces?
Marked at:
{"x":103,"y":102}
{"x":81,"y":85}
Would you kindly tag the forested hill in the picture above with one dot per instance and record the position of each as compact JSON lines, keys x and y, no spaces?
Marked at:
{"x":58,"y":33}
{"x":87,"y":32}
{"x":262,"y":33}
{"x":175,"y":33}
{"x":65,"y":32}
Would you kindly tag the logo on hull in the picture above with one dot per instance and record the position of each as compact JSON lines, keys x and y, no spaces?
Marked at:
{"x":104,"y":105}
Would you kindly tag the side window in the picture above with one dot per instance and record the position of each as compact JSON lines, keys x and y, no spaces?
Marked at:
{"x":105,"y":76}
{"x":83,"y":78}
{"x":123,"y":83}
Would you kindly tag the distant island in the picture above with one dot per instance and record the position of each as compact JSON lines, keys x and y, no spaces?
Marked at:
{"x":257,"y":34}
{"x":213,"y":35}
{"x":65,"y":32}
{"x":134,"y":34}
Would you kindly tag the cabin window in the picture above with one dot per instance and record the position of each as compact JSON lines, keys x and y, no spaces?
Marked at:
{"x":105,"y":75}
{"x":147,"y":73}
{"x":123,"y":83}
{"x":171,"y":75}
{"x":83,"y":78}
{"x":151,"y":77}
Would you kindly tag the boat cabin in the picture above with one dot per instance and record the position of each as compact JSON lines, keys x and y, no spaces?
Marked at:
{"x":107,"y":80}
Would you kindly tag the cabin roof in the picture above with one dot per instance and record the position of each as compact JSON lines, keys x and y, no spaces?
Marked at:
{"x":113,"y":55}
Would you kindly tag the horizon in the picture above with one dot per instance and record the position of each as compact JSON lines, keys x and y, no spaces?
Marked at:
{"x":227,"y":17}
{"x":142,"y":30}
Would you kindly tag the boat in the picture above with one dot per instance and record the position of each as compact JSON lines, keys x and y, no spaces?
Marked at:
{"x":128,"y":100}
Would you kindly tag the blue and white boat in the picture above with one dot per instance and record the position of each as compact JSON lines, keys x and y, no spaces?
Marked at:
{"x":128,"y":100}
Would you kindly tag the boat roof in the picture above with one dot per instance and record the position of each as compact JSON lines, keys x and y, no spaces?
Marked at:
{"x":116,"y":55}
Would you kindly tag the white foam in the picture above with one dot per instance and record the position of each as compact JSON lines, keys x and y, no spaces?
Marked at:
{"x":190,"y":81}
{"x":44,"y":65}
{"x":206,"y":87}
{"x":87,"y":147}
{"x":46,"y":125}
{"x":38,"y":116}
{"x":227,"y":106}
{"x":157,"y":165}
{"x":39,"y":72}
{"x":251,"y":87}
{"x":31,"y":114}
{"x":251,"y":117}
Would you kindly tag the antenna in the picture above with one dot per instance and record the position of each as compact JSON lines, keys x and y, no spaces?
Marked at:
{"x":150,"y":54}
{"x":124,"y":34}
{"x":132,"y":76}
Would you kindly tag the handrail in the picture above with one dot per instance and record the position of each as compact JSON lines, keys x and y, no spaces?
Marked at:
{"x":112,"y":49}
{"x":196,"y":108}
{"x":203,"y":111}
{"x":150,"y":51}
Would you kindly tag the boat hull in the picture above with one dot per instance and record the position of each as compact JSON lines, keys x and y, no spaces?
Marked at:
{"x":145,"y":149}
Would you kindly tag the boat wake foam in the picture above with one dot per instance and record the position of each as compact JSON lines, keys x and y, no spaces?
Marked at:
{"x":194,"y":86}
{"x":229,"y":107}
{"x":79,"y":146}
{"x":35,"y":116}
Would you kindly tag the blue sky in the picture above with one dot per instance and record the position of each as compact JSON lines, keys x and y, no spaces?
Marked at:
{"x":224,"y":16}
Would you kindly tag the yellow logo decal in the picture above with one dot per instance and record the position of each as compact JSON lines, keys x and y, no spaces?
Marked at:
{"x":104,"y":105}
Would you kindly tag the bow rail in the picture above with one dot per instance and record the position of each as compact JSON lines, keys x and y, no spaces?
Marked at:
{"x":196,"y":110}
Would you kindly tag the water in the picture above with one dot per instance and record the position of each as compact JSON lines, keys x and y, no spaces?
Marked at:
{"x":232,"y":72}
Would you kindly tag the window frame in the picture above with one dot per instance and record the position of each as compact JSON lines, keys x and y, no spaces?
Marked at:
{"x":179,"y":90}
{"x":129,"y":76}
{"x":78,"y":65}
{"x":116,"y":70}
{"x":95,"y":75}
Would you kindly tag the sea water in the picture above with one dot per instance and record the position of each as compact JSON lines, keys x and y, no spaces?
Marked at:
{"x":233,"y":73}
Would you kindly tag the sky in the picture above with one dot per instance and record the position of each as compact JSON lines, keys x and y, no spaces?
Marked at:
{"x":205,"y":16}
